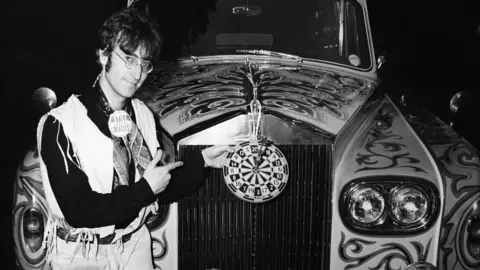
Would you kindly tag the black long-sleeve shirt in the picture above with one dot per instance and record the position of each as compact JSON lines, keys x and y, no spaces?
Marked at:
{"x":83,"y":207}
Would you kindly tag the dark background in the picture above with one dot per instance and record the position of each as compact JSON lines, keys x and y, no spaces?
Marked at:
{"x":433,"y":51}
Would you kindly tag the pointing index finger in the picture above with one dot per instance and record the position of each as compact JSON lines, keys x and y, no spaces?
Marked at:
{"x":173,"y":165}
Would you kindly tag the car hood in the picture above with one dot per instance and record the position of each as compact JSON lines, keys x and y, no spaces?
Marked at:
{"x":190,"y":98}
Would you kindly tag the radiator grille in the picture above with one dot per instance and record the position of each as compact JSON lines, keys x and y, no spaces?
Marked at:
{"x":219,"y":231}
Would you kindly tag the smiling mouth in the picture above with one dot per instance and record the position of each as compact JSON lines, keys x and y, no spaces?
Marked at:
{"x":134,"y":83}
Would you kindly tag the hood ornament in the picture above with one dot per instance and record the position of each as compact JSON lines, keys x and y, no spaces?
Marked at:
{"x":255,"y":116}
{"x":257,"y":171}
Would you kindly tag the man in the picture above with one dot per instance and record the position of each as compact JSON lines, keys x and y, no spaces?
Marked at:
{"x":99,"y":159}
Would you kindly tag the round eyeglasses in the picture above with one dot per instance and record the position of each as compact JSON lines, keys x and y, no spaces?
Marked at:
{"x":131,"y":62}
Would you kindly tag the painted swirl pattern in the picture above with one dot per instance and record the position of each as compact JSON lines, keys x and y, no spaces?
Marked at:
{"x":184,"y":96}
{"x":292,"y":90}
{"x":28,"y":193}
{"x":459,"y":163}
{"x":160,"y":248}
{"x":463,"y":192}
{"x":358,"y":254}
{"x":189,"y":95}
{"x":384,"y":149}
{"x":156,"y":225}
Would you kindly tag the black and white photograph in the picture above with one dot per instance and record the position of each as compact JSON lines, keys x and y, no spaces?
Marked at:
{"x":240,"y":135}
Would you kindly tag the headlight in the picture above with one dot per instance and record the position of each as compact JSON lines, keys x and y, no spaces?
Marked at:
{"x":33,"y":229}
{"x":393,"y":205}
{"x":366,"y":204}
{"x":408,"y":205}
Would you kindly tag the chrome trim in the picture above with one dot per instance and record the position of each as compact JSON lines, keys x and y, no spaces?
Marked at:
{"x":247,"y":10}
{"x":307,"y":62}
{"x":386,"y":184}
{"x":421,"y":266}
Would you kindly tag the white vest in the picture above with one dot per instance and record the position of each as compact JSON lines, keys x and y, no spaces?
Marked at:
{"x":93,"y":154}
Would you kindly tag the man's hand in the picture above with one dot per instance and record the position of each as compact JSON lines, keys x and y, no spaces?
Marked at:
{"x":158,"y":177}
{"x":216,"y":156}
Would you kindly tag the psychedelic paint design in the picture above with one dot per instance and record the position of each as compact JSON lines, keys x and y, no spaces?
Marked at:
{"x":191,"y":95}
{"x":459,"y":162}
{"x":29,"y":194}
{"x":373,"y":183}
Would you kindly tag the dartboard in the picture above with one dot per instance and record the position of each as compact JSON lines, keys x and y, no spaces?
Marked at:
{"x":256,"y":172}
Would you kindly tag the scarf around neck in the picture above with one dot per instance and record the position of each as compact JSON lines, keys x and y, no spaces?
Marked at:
{"x":129,"y":151}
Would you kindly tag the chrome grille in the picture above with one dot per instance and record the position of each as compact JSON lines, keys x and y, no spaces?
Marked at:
{"x":219,"y":231}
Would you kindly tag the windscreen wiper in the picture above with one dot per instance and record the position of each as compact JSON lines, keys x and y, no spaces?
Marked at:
{"x":270,"y":53}
{"x":274,"y":54}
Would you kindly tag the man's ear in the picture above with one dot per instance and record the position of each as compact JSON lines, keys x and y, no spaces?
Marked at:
{"x":102,"y":57}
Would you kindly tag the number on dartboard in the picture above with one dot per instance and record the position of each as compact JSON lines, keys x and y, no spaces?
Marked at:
{"x":241,"y":153}
{"x":234,"y":164}
{"x":244,"y":188}
{"x":254,"y":149}
{"x":270,"y":187}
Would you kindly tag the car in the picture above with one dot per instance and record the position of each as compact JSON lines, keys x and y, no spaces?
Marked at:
{"x":331,"y":171}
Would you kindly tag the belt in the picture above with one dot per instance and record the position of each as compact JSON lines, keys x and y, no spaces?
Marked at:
{"x":107,"y":240}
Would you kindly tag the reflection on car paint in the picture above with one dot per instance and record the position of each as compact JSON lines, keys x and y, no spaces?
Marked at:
{"x":320,"y":98}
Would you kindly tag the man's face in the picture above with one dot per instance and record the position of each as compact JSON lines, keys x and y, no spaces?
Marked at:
{"x":122,"y":81}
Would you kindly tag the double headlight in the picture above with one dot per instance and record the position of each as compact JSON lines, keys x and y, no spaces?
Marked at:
{"x":408,"y":205}
{"x":376,"y":206}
